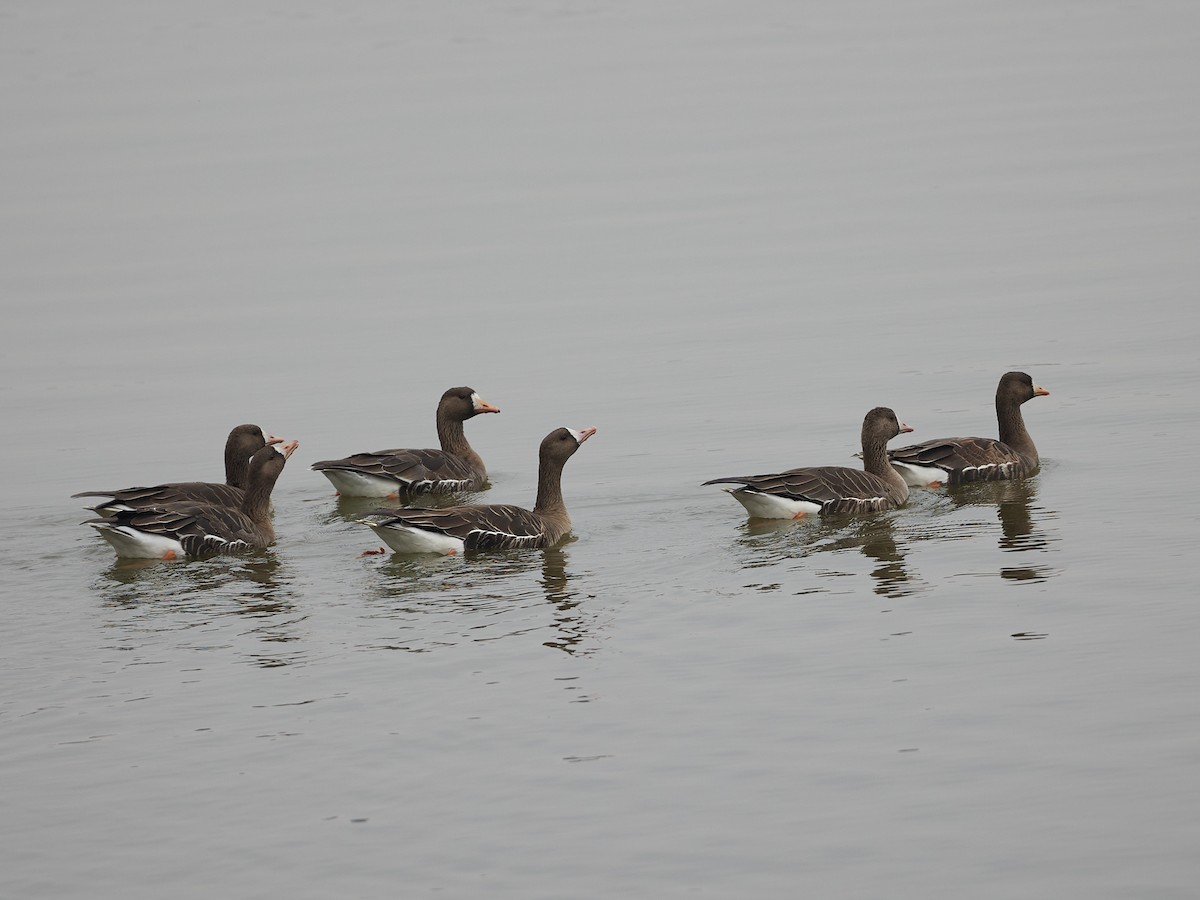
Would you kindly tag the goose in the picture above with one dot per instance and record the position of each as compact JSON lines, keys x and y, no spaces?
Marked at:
{"x":965,"y":459}
{"x":452,"y":530}
{"x":402,"y":473}
{"x":173,"y":530}
{"x":243,"y":442}
{"x":797,"y":493}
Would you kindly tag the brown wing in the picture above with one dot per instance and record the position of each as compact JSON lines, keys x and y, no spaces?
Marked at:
{"x":201,"y":528}
{"x":965,"y":459}
{"x":833,"y":488}
{"x":159,"y":494}
{"x":413,"y":470}
{"x":491,"y":527}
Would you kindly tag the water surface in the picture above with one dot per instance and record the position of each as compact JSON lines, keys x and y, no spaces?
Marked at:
{"x":720,"y":233}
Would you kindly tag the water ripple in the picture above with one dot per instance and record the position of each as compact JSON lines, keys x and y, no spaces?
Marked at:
{"x":480,"y":597}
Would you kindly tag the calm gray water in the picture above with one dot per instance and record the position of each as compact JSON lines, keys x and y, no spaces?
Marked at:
{"x":718,"y":232}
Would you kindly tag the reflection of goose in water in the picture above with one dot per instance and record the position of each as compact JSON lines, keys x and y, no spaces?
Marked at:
{"x":1020,"y":530}
{"x":246,"y":595}
{"x":479,"y":597}
{"x":144,"y":577}
{"x":571,"y":626}
{"x":873,"y":536}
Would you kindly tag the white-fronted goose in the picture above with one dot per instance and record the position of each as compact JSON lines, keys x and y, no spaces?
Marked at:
{"x":199,"y":529}
{"x":403,"y":473}
{"x":797,"y":493}
{"x":243,"y":442}
{"x":458,"y":528}
{"x":965,"y":459}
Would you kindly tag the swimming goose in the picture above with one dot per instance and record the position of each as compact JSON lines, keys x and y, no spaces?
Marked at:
{"x":966,"y":459}
{"x":797,"y":493}
{"x":198,"y":529}
{"x":457,"y":528}
{"x":402,"y":473}
{"x":243,"y":442}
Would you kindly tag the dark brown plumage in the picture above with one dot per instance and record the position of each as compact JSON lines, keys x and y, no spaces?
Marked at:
{"x":495,"y":526}
{"x":402,"y":473}
{"x":829,"y":489}
{"x":965,"y":459}
{"x":243,"y":442}
{"x":200,"y":529}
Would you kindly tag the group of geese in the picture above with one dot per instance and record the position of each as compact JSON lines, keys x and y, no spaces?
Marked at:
{"x":169,"y":521}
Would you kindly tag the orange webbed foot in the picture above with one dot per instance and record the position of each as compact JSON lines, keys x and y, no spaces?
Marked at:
{"x":378,"y":552}
{"x":170,"y":554}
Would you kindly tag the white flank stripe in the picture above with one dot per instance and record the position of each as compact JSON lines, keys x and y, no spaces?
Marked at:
{"x":359,"y":484}
{"x":768,"y":506}
{"x":920,"y":476}
{"x":133,"y":544}
{"x":408,"y":539}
